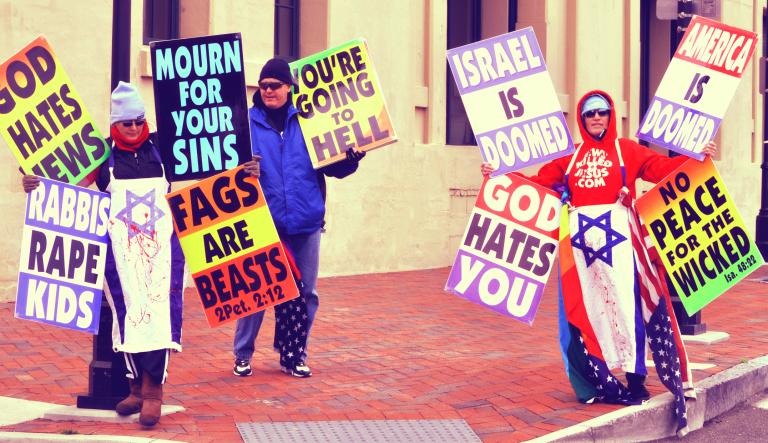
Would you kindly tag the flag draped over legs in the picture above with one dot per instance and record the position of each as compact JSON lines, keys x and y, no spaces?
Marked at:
{"x":611,"y":302}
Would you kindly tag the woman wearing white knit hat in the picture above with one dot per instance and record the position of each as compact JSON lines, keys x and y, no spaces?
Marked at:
{"x":145,"y":264}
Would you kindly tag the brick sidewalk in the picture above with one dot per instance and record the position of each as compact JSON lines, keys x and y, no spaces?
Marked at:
{"x":384,"y":346}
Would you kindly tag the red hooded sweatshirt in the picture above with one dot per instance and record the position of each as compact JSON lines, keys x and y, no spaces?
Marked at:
{"x":595,"y":177}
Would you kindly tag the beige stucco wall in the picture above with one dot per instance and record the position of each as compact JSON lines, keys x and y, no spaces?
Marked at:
{"x":407,"y":205}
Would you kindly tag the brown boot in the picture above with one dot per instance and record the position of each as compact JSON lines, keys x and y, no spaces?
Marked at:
{"x":152,"y":393}
{"x":132,"y":403}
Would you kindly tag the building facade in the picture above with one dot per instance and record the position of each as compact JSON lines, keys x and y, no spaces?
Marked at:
{"x":407,"y":205}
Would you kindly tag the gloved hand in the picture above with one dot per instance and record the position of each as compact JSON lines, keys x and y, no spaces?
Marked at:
{"x":486,"y":169}
{"x":625,"y":198}
{"x":30,"y":183}
{"x":355,"y":156}
{"x":253,"y":167}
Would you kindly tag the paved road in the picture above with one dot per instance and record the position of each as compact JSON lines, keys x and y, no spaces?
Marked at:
{"x":745,"y":423}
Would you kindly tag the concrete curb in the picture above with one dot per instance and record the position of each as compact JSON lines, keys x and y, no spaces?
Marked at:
{"x":72,"y":413}
{"x":715,"y":395}
{"x":38,"y":438}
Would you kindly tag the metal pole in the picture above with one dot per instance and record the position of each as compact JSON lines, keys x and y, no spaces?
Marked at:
{"x":107,"y":384}
{"x":761,"y":228}
{"x":689,"y":325}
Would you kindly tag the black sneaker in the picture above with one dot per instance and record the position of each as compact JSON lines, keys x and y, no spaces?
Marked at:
{"x":639,"y":392}
{"x":300,"y":370}
{"x":242,"y":368}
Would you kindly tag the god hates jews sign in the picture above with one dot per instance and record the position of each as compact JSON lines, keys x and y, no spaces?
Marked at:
{"x":509,"y":247}
{"x":200,"y":103}
{"x":699,"y":83}
{"x":510,"y":101}
{"x":43,"y":119}
{"x":340,"y":102}
{"x":698,"y":233}
{"x":63,"y":254}
{"x":232,"y":248}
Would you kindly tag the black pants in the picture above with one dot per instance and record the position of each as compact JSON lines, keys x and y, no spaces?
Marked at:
{"x":154,"y":363}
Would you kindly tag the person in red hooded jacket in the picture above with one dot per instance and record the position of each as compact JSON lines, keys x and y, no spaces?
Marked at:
{"x":603,"y":308}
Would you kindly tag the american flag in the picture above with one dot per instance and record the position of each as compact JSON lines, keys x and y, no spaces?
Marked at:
{"x":587,"y":370}
{"x":661,"y":327}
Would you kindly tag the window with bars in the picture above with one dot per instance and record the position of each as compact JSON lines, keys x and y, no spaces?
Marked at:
{"x":465,"y":26}
{"x":161,"y":20}
{"x":287,"y":29}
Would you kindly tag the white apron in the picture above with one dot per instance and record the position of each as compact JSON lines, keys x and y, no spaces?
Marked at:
{"x":146,"y":310}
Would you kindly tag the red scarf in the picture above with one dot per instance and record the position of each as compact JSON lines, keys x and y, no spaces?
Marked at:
{"x":131,"y":146}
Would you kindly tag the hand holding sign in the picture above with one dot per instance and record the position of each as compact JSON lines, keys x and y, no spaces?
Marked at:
{"x":253,"y":167}
{"x":30,"y":183}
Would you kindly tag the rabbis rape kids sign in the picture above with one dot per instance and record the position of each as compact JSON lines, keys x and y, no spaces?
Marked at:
{"x":202,"y":113}
{"x":231,"y":245}
{"x":699,"y":83}
{"x":508,"y":248}
{"x":510,"y":101}
{"x":63,"y":254}
{"x":340,"y":102}
{"x":43,"y":119}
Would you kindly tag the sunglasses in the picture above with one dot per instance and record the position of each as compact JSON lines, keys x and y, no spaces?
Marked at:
{"x":271,"y":85}
{"x":129,"y":123}
{"x":601,"y":113}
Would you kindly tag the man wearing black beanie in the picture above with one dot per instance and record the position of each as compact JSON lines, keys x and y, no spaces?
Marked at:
{"x":295,"y":194}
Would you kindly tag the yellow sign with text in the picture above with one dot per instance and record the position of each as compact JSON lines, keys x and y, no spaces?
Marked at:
{"x":43,"y":120}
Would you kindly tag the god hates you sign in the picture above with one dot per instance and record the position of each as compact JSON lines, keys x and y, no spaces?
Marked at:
{"x":699,"y":83}
{"x":63,"y":254}
{"x":510,"y":101}
{"x":231,"y":245}
{"x":43,"y":119}
{"x":340,"y":102}
{"x":700,"y":236}
{"x":509,"y":247}
{"x":200,"y":104}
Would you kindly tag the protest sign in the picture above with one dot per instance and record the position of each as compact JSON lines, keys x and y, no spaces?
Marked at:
{"x":698,"y":232}
{"x":699,"y":83}
{"x":510,"y":101}
{"x":63,"y":254}
{"x":200,"y":105}
{"x":340,"y":102}
{"x":43,"y":119}
{"x":232,"y":248}
{"x":508,"y":248}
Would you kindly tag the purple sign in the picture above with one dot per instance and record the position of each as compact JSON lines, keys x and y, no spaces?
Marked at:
{"x":63,"y":253}
{"x":510,"y":101}
{"x":503,"y":290}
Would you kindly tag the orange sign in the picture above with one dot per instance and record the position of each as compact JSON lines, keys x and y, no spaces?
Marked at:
{"x":232,"y":248}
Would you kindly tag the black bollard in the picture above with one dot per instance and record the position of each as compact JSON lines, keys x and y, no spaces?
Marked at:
{"x":107,"y":384}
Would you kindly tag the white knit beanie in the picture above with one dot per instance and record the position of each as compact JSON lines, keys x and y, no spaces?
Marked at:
{"x":126,"y":104}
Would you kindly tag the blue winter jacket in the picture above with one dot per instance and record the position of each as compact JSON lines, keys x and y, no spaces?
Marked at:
{"x":291,"y":186}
